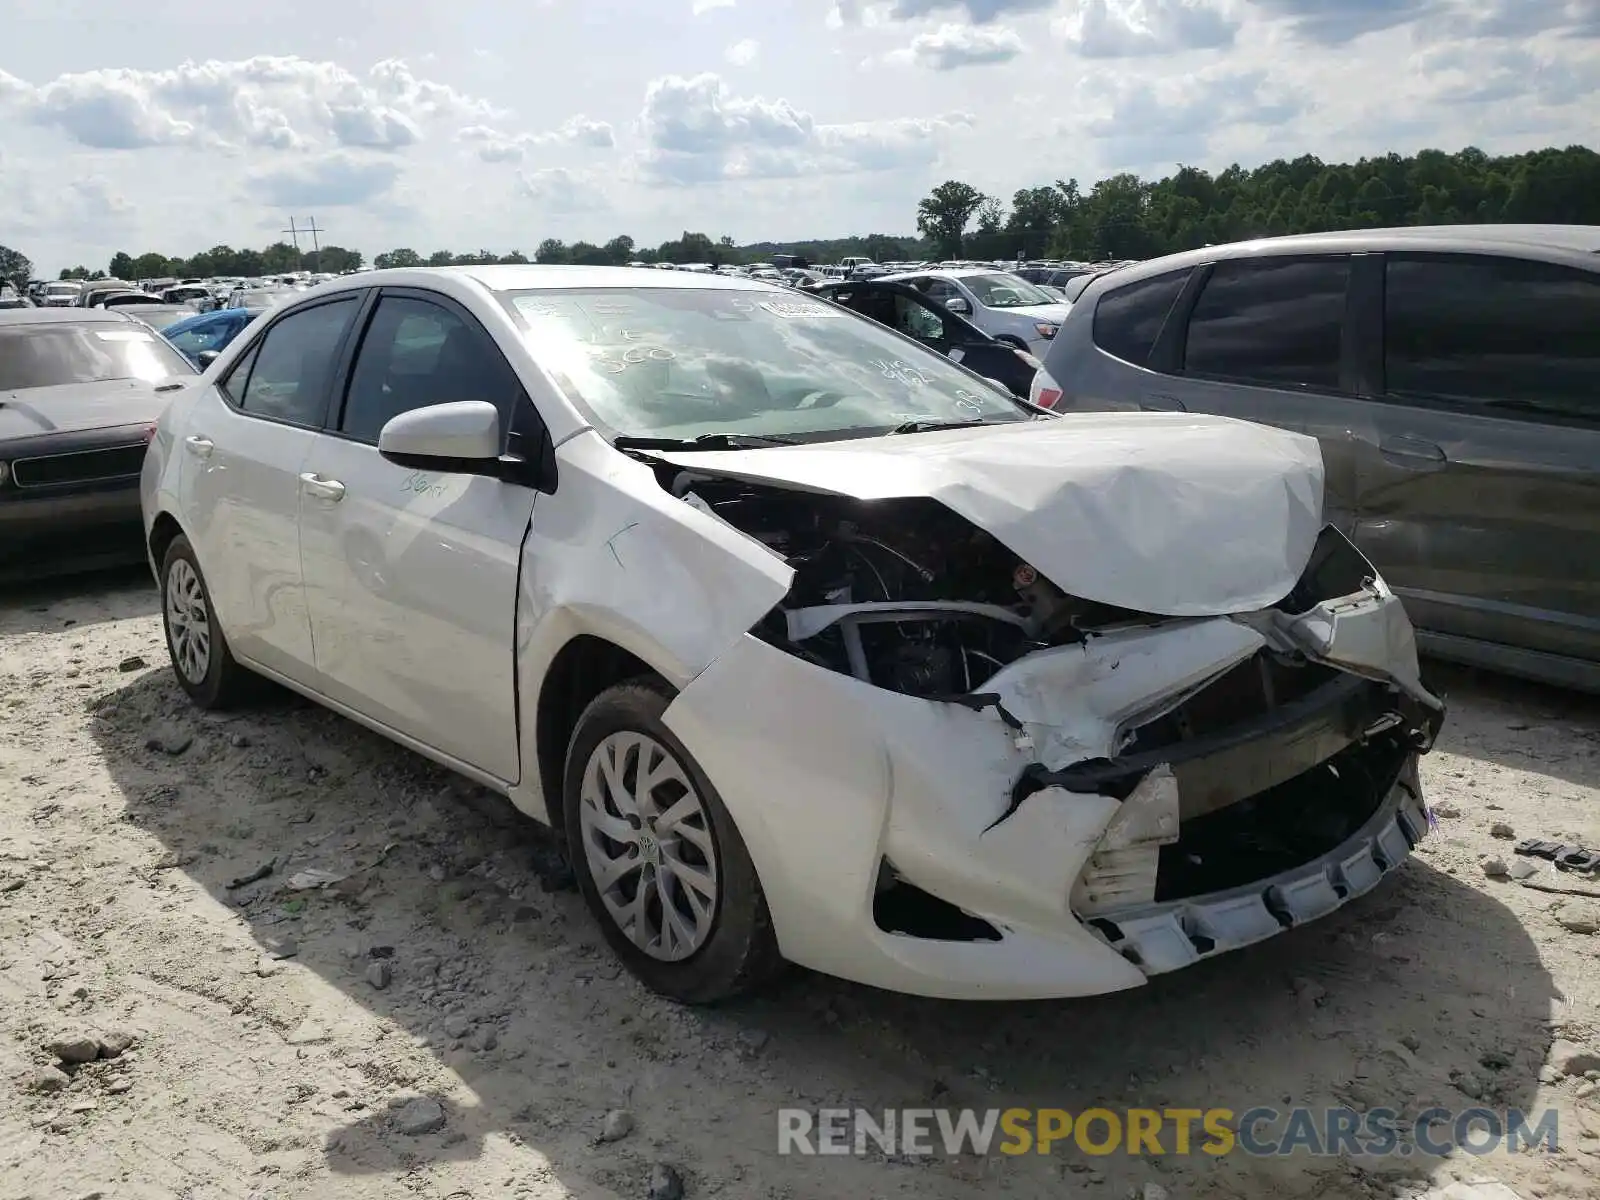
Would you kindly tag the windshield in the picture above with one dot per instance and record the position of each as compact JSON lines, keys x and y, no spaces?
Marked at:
{"x":1003,"y":291}
{"x":34,"y":356}
{"x":61,"y":289}
{"x":682,"y":363}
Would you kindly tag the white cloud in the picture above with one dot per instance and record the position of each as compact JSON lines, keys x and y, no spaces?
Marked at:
{"x":979,"y":12}
{"x":493,"y":146}
{"x":696,"y":131}
{"x":742,"y":53}
{"x":558,"y":190}
{"x":1125,"y":28}
{"x":953,"y":46}
{"x":705,"y":6}
{"x":329,"y":181}
{"x":279,"y":103}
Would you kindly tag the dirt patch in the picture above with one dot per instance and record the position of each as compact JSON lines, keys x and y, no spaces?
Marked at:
{"x":341,"y":971}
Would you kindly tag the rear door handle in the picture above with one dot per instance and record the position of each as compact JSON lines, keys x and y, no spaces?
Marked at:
{"x":323,"y":489}
{"x":1413,"y":453}
{"x":1163,"y":403}
{"x":200,"y":447}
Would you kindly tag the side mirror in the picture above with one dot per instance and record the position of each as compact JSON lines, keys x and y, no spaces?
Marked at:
{"x":958,"y":304}
{"x":462,"y":438}
{"x":206,"y":357}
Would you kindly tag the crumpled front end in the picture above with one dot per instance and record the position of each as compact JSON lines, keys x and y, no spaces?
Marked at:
{"x":967,"y":798}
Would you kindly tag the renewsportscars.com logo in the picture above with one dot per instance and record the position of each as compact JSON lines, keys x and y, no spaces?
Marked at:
{"x":1260,"y":1132}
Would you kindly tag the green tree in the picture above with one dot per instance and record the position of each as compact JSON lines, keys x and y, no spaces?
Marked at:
{"x":990,"y":216}
{"x":74,"y":272}
{"x":943,"y":215}
{"x":279,"y":259}
{"x":15,"y":267}
{"x":403,"y":257}
{"x":551,"y":250}
{"x":122,"y":266}
{"x":339,"y":260}
{"x":516,"y":257}
{"x":441,"y":258}
{"x":147,"y":266}
{"x":619,"y":250}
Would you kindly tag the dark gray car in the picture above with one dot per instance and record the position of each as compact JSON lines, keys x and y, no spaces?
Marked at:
{"x":80,"y":392}
{"x":1452,"y":377}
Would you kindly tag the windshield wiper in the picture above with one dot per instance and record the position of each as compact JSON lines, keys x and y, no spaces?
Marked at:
{"x":706,"y":441}
{"x":931,"y":426}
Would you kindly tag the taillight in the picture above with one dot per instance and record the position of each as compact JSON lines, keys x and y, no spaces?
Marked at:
{"x":1045,"y":392}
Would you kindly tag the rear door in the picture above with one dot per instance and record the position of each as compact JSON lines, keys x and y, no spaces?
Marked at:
{"x":411,"y":576}
{"x":242,"y":448}
{"x":1482,"y":503}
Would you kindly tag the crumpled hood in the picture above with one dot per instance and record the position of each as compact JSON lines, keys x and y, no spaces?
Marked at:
{"x":1172,"y":514}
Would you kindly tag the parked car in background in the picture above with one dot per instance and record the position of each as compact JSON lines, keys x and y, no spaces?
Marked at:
{"x":95,"y":291}
{"x":129,"y":299}
{"x":813,"y":645}
{"x":1452,"y":376}
{"x":80,"y":391}
{"x":908,"y":311}
{"x":62,"y":293}
{"x":160,"y":317}
{"x":1002,"y":305}
{"x":186,"y":293}
{"x":202,"y":336}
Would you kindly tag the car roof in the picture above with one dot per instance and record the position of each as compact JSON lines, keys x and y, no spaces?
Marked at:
{"x":1570,"y":243}
{"x":943,"y":273}
{"x":63,"y":316}
{"x":514,"y":277}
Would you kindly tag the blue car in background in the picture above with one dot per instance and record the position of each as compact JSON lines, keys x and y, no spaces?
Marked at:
{"x":200,"y":338}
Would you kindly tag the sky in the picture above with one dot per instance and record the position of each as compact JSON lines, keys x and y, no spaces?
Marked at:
{"x":175,"y":125}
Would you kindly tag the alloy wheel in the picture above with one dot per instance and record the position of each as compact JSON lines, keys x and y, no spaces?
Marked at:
{"x":648,"y":845}
{"x":188,"y":622}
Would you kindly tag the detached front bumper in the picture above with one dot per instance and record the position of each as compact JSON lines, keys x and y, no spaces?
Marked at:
{"x":1053,"y":835}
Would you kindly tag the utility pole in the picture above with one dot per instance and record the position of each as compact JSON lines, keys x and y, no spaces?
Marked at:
{"x":294,"y":231}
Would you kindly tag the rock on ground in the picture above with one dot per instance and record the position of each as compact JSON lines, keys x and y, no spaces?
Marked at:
{"x":417,"y":1117}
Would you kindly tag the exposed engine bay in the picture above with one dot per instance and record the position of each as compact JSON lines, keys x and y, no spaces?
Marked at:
{"x":902,"y":594}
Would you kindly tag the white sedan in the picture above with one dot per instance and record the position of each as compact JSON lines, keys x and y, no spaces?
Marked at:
{"x":815,"y":646}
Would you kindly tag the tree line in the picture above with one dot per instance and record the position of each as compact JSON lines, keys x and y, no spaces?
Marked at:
{"x":1129,"y":217}
{"x":1120,"y":217}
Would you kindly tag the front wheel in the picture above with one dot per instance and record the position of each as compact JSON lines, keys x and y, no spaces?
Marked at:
{"x":657,"y":856}
{"x":200,"y":657}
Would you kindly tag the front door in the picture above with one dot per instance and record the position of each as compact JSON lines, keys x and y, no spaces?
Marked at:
{"x":411,"y":577}
{"x":242,"y":448}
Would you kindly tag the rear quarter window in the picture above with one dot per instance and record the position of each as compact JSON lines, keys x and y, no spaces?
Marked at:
{"x":1127,"y":319}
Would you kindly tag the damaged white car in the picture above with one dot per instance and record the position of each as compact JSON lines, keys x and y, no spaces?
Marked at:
{"x":816,"y":646}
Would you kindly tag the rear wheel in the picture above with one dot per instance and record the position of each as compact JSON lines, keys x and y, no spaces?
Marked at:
{"x":200,"y":657}
{"x":657,"y":856}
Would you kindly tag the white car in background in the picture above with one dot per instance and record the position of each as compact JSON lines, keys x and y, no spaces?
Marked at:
{"x":1003,"y":305}
{"x":815,"y":645}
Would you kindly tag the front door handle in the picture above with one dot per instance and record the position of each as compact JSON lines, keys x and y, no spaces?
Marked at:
{"x":1413,"y":453}
{"x":323,"y":489}
{"x":200,"y":447}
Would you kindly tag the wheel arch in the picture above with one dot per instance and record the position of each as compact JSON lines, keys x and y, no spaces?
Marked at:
{"x":164,"y":530}
{"x":586,"y":665}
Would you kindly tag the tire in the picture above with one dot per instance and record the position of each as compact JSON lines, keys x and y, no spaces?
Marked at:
{"x":730,"y":948}
{"x":204,"y":666}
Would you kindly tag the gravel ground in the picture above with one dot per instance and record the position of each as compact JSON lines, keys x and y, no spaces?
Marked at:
{"x":437,"y":1017}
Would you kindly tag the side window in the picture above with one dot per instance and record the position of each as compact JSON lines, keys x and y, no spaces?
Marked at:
{"x":291,"y":374}
{"x":417,"y":353}
{"x":1487,"y":329}
{"x":238,"y":378}
{"x":940,"y":289}
{"x":917,"y":320}
{"x":1277,"y":322}
{"x":1127,"y":320}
